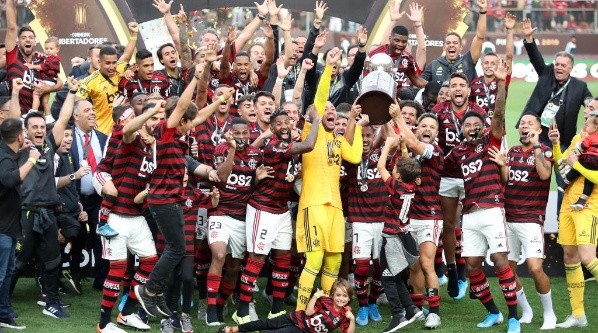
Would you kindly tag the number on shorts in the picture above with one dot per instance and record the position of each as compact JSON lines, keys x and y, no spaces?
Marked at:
{"x":315,"y":231}
{"x":215,"y":225}
{"x":263,"y":234}
{"x":355,"y":237}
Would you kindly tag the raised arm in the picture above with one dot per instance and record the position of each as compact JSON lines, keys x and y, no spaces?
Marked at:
{"x":535,"y":57}
{"x":268,"y":50}
{"x":209,"y":110}
{"x":352,"y":74}
{"x":308,"y":144}
{"x":173,"y":30}
{"x":185,"y":52}
{"x":128,"y":53}
{"x":497,"y":126}
{"x":250,"y":29}
{"x":395,"y":13}
{"x":226,"y":167}
{"x":391,"y":142}
{"x":15,"y":106}
{"x":510,"y":21}
{"x":182,"y":104}
{"x":136,"y":123}
{"x":416,"y":15}
{"x":225,"y":71}
{"x":351,"y":152}
{"x":66,"y":112}
{"x":306,"y":65}
{"x":281,"y":73}
{"x":480,"y":34}
{"x":324,"y":85}
{"x":10,"y":40}
{"x":409,"y":138}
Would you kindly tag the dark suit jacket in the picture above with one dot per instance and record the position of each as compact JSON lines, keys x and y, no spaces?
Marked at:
{"x":75,"y":150}
{"x":573,"y":98}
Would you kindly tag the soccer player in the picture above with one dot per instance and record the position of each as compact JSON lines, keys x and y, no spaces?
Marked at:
{"x":132,"y":166}
{"x":268,"y":219}
{"x":237,"y":165}
{"x":450,"y":117}
{"x":166,"y":191}
{"x":484,"y":88}
{"x":526,"y":196}
{"x":484,"y":227}
{"x":366,"y":200}
{"x":320,"y":223}
{"x":425,"y":214}
{"x":145,"y":80}
{"x":577,"y":230}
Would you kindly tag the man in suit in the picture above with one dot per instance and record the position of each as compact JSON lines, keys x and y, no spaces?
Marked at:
{"x":557,"y":96}
{"x":88,"y":149}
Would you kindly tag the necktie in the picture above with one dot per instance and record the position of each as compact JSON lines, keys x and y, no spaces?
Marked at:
{"x":88,"y":151}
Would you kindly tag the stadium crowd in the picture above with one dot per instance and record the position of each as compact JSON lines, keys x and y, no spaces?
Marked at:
{"x":239,"y":160}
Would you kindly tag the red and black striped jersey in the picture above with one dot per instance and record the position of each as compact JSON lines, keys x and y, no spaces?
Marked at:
{"x":484,"y":95}
{"x":235,"y":191}
{"x":208,"y":135}
{"x":449,"y":132}
{"x":50,"y":68}
{"x":404,"y":66}
{"x":114,"y":141}
{"x":131,"y":171}
{"x":325,"y":318}
{"x":254,"y":131}
{"x":398,"y":204}
{"x":159,"y":84}
{"x":526,"y":195}
{"x":194,"y":199}
{"x":16,"y":69}
{"x":243,"y":88}
{"x":481,"y":176}
{"x":426,"y":204}
{"x":368,"y":205}
{"x":272,"y":194}
{"x":166,"y":185}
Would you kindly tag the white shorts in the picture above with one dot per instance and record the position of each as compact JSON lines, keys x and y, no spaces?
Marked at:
{"x":98,"y":180}
{"x":265,"y":231}
{"x":452,"y":188}
{"x":367,"y":239}
{"x":348,"y":232}
{"x":484,"y":230}
{"x":425,"y":230}
{"x":230,"y":231}
{"x":133,"y":234}
{"x":201,"y":227}
{"x":526,"y":239}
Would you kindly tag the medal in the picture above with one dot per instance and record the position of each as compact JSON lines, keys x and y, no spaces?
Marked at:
{"x":290,"y":178}
{"x":364,"y":187}
{"x":330,"y":162}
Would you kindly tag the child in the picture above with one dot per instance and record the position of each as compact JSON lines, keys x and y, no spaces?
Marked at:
{"x":323,"y":314}
{"x":399,"y":250}
{"x":588,"y":158}
{"x":48,"y":69}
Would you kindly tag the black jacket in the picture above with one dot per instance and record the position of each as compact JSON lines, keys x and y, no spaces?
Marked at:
{"x":573,"y":97}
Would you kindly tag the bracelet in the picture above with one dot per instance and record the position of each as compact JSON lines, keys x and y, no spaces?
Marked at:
{"x":32,"y":160}
{"x":317,"y":21}
{"x":197,"y":77}
{"x":482,"y":13}
{"x":537,"y":147}
{"x":73,"y":91}
{"x":404,"y":150}
{"x":361,"y":45}
{"x":222,"y":100}
{"x":133,"y":38}
{"x":279,"y":80}
{"x":261,"y":17}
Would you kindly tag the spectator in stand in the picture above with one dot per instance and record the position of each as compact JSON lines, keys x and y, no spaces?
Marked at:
{"x":571,"y":46}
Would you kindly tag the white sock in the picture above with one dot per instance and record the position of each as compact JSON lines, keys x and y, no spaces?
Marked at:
{"x":526,"y":311}
{"x":549,"y":316}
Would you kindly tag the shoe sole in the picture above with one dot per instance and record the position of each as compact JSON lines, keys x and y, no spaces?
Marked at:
{"x":124,"y":324}
{"x":6,"y":325}
{"x":213,"y":324}
{"x":140,"y":300}
{"x":398,"y":327}
{"x":415,"y":317}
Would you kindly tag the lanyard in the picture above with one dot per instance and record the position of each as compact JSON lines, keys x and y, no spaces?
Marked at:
{"x":218,"y":131}
{"x":487,"y":91}
{"x":364,"y":170}
{"x":560,"y":91}
{"x":456,"y":121}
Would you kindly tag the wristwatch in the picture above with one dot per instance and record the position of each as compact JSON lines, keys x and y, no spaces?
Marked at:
{"x":72,"y":177}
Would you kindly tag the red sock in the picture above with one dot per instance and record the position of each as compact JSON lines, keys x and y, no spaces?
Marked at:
{"x":250,"y":274}
{"x":376,"y":288}
{"x":506,"y":279}
{"x":418,"y":300}
{"x":111,"y":287}
{"x":213,"y":287}
{"x":480,"y":287}
{"x":433,"y":299}
{"x":297,"y":264}
{"x":106,"y":207}
{"x":146,"y":266}
{"x":459,"y":260}
{"x":224,"y":292}
{"x":202,"y":264}
{"x":280,"y":275}
{"x":361,"y":274}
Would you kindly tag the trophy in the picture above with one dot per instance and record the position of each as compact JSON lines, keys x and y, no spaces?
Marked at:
{"x":378,"y":89}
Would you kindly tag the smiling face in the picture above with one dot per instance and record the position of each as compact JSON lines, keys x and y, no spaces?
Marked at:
{"x":264,"y":106}
{"x":293,"y":111}
{"x":257,"y":55}
{"x":241,"y":134}
{"x":247,"y":111}
{"x":67,"y":141}
{"x":281,"y":127}
{"x":452,"y":47}
{"x":591,"y":125}
{"x":527,"y":124}
{"x":367,"y":134}
{"x":427,"y":130}
{"x":472,"y":127}
{"x":409,"y":114}
{"x":444,"y":94}
{"x":459,"y":91}
{"x":36,"y":130}
{"x":85,"y":116}
{"x":397,"y":43}
{"x":489,"y":65}
{"x":222,"y":108}
{"x":26,"y":42}
{"x":209,"y":39}
{"x":562,"y":69}
{"x":108,"y":64}
{"x":340,"y":297}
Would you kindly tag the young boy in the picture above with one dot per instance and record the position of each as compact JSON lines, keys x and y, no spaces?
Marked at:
{"x":48,"y":69}
{"x":399,"y":250}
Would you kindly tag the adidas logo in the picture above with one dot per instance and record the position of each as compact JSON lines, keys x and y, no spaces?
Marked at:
{"x":445,"y":121}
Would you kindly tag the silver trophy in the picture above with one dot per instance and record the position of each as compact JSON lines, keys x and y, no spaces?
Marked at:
{"x":378,"y":89}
